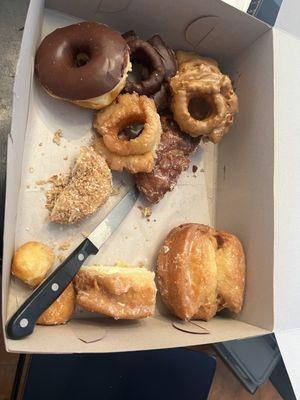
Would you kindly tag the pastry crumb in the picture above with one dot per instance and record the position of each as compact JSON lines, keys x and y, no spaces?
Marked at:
{"x":115,"y":191}
{"x":58,"y":184}
{"x":64,"y":245}
{"x":194,"y":168}
{"x":31,"y":169}
{"x":202,"y":170}
{"x":40,"y":144}
{"x":145,"y":211}
{"x":65,"y":158}
{"x":40,"y":182}
{"x":165,"y":249}
{"x":57,"y":137}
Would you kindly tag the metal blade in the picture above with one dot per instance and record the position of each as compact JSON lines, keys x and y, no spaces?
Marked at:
{"x":106,"y":228}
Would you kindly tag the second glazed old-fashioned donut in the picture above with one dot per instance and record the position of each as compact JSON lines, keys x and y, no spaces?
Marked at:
{"x":204,"y":102}
{"x":85,"y":63}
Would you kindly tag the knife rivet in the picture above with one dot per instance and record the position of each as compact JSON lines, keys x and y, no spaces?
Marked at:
{"x":80,"y":257}
{"x":54,"y":287}
{"x":23,"y":323}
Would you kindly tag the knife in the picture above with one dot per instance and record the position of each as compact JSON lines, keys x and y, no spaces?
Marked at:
{"x":22,"y":323}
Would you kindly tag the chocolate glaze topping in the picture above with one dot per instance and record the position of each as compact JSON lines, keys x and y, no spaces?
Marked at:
{"x":81,"y":61}
{"x":166,"y":54}
{"x":172,"y":158}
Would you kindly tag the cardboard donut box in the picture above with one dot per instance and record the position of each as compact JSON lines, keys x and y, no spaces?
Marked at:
{"x":254,"y":190}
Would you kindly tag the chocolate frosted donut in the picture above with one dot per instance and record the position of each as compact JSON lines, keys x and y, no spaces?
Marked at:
{"x":167,"y":56}
{"x":153,"y":71}
{"x":85,"y":63}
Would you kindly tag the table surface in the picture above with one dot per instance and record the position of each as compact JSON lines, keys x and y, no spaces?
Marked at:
{"x":12,"y":18}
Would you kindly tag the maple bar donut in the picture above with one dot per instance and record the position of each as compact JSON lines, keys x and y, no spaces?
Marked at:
{"x":84,"y":63}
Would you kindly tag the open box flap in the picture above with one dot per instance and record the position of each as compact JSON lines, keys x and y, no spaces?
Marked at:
{"x":288,"y":342}
{"x":286,"y":200}
{"x":196,"y":27}
{"x":288,"y":17}
{"x":286,"y":180}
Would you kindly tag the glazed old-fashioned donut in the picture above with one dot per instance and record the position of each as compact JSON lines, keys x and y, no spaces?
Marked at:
{"x":85,"y":63}
{"x":204,"y":102}
{"x":134,"y":155}
{"x":153,"y":72}
{"x":201,"y":271}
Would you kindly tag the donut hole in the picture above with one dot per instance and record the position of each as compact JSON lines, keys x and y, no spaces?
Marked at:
{"x":131,"y":131}
{"x":201,"y":107}
{"x":81,"y":58}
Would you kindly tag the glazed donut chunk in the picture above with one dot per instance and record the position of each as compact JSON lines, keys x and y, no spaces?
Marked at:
{"x":120,"y":291}
{"x":134,"y":155}
{"x":31,"y":262}
{"x":85,"y":63}
{"x":201,"y":271}
{"x":61,"y":310}
{"x":204,"y":102}
{"x":144,"y":53}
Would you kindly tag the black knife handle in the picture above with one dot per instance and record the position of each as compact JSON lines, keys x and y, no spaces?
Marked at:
{"x":23,"y":321}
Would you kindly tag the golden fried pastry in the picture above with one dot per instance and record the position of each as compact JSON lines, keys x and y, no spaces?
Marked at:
{"x":31,"y":262}
{"x":204,"y":102}
{"x":136,"y":154}
{"x":87,"y":188}
{"x":201,"y":271}
{"x":61,"y":310}
{"x":121,"y":291}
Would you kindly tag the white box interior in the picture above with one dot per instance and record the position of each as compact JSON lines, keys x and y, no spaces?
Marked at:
{"x":238,"y":184}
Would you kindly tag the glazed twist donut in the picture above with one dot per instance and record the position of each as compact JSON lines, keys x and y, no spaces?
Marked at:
{"x":137,"y":154}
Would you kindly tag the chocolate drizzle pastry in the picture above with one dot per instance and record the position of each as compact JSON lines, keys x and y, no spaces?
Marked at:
{"x":142,"y":53}
{"x":172,"y":159}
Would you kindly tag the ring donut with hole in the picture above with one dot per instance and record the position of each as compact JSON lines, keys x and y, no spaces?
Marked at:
{"x":162,"y":94}
{"x":203,"y":102}
{"x":84,"y":63}
{"x":121,"y":152}
{"x":152,"y":72}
